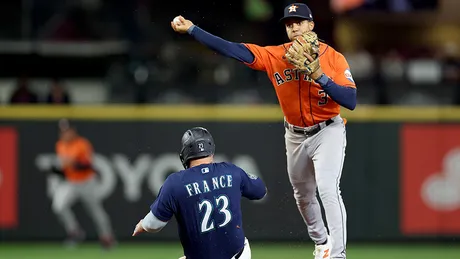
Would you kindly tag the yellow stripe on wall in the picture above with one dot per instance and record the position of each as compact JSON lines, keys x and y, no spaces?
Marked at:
{"x":231,"y":113}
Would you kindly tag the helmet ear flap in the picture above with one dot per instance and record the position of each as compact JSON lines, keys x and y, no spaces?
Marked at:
{"x":182,"y":158}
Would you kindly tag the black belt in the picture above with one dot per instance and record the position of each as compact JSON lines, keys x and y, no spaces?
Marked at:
{"x":304,"y":131}
{"x":239,"y":253}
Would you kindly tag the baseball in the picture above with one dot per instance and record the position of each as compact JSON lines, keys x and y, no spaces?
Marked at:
{"x":176,"y":21}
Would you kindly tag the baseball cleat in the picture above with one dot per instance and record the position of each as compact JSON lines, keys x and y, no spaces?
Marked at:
{"x":323,"y":251}
{"x":74,"y":238}
{"x":107,"y":242}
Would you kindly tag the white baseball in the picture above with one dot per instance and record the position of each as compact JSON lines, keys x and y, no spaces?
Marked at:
{"x":177,"y":21}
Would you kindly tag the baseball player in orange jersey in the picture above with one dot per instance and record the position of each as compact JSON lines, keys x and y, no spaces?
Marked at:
{"x":315,"y":132}
{"x":75,"y":159}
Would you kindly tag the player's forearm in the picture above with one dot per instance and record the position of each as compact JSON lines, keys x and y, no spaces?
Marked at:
{"x":152,"y":224}
{"x":226,"y":48}
{"x":345,"y":96}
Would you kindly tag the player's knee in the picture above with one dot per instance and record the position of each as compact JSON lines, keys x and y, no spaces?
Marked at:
{"x":304,"y":195}
{"x":305,"y":203}
{"x":94,"y":206}
{"x":328,"y":190}
{"x":58,"y":207}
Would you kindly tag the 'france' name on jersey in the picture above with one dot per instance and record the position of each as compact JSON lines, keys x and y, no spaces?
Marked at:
{"x":218,"y":182}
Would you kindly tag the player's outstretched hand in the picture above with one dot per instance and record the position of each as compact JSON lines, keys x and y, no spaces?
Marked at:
{"x":139,"y":229}
{"x":183,"y":257}
{"x":180,"y":24}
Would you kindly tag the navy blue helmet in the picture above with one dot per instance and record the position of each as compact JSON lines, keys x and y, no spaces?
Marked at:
{"x":196,"y":143}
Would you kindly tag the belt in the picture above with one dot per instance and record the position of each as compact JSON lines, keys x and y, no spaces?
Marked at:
{"x":308,"y":131}
{"x":239,"y":253}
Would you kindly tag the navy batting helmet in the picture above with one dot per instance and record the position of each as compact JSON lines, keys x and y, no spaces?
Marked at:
{"x":196,"y":143}
{"x":297,"y":10}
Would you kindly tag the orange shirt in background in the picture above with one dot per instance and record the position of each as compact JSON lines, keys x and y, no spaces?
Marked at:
{"x":79,"y":150}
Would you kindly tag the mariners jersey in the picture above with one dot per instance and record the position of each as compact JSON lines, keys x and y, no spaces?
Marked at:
{"x":303,"y":101}
{"x":205,"y":201}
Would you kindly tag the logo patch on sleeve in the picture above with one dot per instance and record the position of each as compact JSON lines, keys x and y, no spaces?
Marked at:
{"x":348,"y":75}
{"x":251,"y":176}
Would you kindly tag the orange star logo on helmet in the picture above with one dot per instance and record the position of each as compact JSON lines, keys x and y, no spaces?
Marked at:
{"x":293,"y":8}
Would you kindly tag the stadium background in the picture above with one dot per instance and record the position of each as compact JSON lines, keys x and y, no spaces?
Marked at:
{"x":133,"y":86}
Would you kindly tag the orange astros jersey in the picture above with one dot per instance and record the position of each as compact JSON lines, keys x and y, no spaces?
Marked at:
{"x":303,"y":101}
{"x":81,"y":151}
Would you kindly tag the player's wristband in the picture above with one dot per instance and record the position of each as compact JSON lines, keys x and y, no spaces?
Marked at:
{"x":322,"y":80}
{"x":190,"y":30}
{"x":142,"y":225}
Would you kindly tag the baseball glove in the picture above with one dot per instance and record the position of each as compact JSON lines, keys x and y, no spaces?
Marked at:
{"x":307,"y":43}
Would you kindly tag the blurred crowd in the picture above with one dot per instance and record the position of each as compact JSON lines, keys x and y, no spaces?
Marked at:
{"x":408,"y":76}
{"x":162,"y":67}
{"x":54,"y":94}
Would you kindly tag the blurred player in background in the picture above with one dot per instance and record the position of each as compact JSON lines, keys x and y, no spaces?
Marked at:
{"x":205,"y":199}
{"x":75,"y":166}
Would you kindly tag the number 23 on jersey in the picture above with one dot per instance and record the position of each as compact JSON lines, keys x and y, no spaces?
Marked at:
{"x":208,"y":208}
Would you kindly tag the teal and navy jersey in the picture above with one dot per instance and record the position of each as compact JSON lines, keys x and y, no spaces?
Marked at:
{"x":206,"y":201}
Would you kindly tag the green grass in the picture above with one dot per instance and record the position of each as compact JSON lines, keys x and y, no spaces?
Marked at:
{"x":259,"y":250}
